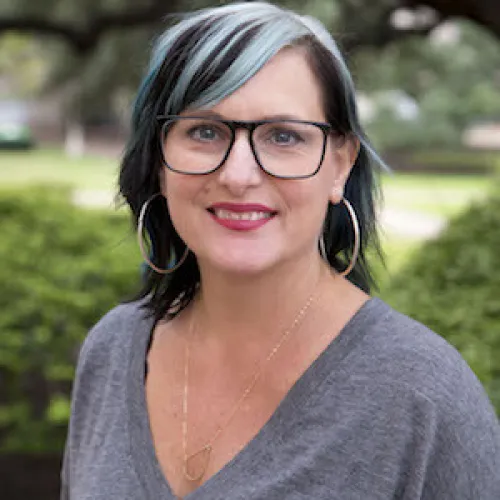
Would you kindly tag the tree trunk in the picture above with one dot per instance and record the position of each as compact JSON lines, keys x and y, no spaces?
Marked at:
{"x":74,"y":140}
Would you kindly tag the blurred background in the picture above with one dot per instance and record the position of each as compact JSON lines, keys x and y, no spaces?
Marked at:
{"x":428,"y":80}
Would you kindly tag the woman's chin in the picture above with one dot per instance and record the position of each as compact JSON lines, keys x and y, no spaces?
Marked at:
{"x":246,"y":264}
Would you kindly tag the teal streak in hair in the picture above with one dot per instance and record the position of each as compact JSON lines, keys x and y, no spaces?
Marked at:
{"x":200,"y":53}
{"x":238,"y":19}
{"x":230,"y":43}
{"x":270,"y":39}
{"x":161,"y":48}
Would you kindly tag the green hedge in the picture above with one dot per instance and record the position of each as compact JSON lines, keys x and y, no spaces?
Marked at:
{"x":459,"y":159}
{"x":455,"y":161}
{"x":452,"y":284}
{"x":61,"y":269}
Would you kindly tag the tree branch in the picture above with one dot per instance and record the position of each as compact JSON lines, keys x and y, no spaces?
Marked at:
{"x":84,"y":38}
{"x":375,"y":31}
{"x":385,"y":35}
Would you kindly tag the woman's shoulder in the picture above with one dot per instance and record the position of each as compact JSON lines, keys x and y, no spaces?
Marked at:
{"x":115,"y":334}
{"x":409,"y":357}
{"x":408,"y":385}
{"x":409,"y":350}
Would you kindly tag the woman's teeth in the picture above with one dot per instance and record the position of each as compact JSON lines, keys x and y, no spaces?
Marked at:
{"x":226,"y":214}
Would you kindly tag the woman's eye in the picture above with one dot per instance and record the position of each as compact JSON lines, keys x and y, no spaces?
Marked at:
{"x":285,"y":137}
{"x":203,"y":133}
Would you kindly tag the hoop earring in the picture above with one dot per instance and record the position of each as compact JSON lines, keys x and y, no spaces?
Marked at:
{"x":140,"y":234}
{"x":357,"y":240}
{"x":322,"y":248}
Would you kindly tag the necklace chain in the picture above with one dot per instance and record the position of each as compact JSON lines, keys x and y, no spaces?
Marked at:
{"x":206,"y":450}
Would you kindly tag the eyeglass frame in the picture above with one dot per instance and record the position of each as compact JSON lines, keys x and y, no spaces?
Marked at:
{"x":250,"y":126}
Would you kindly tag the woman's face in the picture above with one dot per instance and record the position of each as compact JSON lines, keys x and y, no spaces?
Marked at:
{"x":240,"y":219}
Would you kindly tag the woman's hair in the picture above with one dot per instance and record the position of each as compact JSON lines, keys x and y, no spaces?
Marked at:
{"x":196,"y":63}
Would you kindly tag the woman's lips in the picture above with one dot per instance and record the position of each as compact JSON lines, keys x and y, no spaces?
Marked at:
{"x":241,"y":217}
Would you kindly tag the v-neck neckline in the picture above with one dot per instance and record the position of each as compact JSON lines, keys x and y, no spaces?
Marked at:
{"x":143,"y":452}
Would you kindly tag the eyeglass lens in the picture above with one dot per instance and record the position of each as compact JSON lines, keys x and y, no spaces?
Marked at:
{"x":283,"y":148}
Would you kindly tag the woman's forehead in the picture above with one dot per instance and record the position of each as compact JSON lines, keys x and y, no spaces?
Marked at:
{"x":286,"y":84}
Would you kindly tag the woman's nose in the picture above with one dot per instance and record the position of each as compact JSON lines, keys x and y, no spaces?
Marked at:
{"x":240,"y":170}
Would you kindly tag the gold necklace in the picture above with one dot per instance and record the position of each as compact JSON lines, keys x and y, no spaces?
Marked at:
{"x":206,"y":450}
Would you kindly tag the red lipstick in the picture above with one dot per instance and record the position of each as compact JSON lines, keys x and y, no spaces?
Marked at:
{"x":229,"y":215}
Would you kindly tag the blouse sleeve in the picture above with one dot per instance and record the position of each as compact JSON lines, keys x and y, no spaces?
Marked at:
{"x":464,"y":461}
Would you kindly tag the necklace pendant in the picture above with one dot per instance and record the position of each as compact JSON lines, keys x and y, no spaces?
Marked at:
{"x":195,"y":465}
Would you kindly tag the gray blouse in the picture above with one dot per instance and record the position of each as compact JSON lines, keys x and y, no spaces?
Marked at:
{"x":388,"y":411}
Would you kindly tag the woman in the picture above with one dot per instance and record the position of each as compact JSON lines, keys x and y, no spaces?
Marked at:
{"x":256,"y":365}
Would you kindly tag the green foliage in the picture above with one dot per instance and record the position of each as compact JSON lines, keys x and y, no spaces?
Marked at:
{"x":62,"y":269}
{"x":387,"y":131}
{"x":452,"y":284}
{"x":453,"y":84}
{"x":22,"y":68}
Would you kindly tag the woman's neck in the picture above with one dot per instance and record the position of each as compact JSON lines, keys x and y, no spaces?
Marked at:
{"x":236,"y":310}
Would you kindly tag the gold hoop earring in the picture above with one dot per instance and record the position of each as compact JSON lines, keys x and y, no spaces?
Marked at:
{"x":140,"y":234}
{"x":322,"y":248}
{"x":357,"y":240}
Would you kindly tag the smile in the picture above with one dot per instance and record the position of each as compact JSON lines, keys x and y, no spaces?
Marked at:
{"x":241,"y":217}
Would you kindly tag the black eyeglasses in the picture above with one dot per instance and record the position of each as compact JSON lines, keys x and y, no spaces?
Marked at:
{"x":287,"y":149}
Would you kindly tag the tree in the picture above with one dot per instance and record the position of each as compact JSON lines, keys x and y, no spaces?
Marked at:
{"x":483,"y":12}
{"x":94,"y":52}
{"x":371,"y":22}
{"x":81,"y":24}
{"x":453,"y":82}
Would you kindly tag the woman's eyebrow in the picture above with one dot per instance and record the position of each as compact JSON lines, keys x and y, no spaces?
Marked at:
{"x":204,"y":113}
{"x":208,"y":113}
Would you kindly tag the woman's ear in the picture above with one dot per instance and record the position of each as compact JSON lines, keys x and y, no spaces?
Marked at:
{"x":345,"y":158}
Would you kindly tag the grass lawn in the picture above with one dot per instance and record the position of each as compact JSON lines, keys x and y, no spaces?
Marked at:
{"x":47,"y":166}
{"x":442,"y":195}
